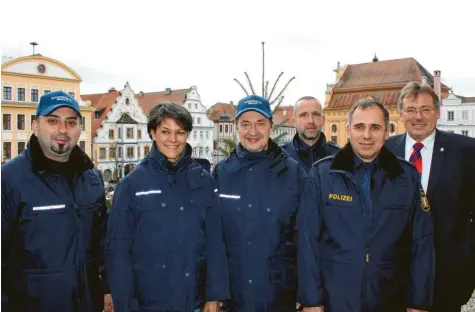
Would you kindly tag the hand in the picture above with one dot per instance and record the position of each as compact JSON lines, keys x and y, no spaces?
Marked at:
{"x":313,"y":309}
{"x":108,"y":306}
{"x":212,"y":306}
{"x":415,"y":310}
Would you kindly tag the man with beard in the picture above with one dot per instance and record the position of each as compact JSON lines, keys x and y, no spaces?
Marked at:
{"x":309,"y":144}
{"x":53,"y":218}
{"x":261,"y":189}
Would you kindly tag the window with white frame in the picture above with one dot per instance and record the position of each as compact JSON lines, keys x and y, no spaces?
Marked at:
{"x":201,"y":135}
{"x":207,"y":134}
{"x":450,"y":116}
{"x":465,"y":132}
{"x":83,"y":123}
{"x":20,"y":121}
{"x":194,"y":134}
{"x":7,"y":93}
{"x":7,"y":150}
{"x":130,"y":152}
{"x":130,"y":133}
{"x":199,"y":120}
{"x":34,"y":95}
{"x":7,"y":122}
{"x":20,"y":147}
{"x":206,"y":151}
{"x":20,"y":95}
{"x":465,"y":115}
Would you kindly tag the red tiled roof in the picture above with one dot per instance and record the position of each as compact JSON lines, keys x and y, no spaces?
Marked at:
{"x":382,"y":79}
{"x":148,"y":100}
{"x":466,"y":99}
{"x":287,"y":118}
{"x":345,"y":100}
{"x":219,"y":110}
{"x":103,"y":102}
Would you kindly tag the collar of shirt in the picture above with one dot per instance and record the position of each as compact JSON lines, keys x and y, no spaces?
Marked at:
{"x":428,"y":143}
{"x":301,"y":145}
{"x":360,"y":164}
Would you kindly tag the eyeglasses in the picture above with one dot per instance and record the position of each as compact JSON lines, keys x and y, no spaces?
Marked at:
{"x":423,"y":110}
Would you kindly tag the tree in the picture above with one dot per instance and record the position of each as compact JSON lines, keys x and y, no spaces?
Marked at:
{"x":277,"y":100}
{"x":229,"y":147}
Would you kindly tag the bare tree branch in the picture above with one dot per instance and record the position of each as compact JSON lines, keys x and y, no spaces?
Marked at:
{"x":240,"y":84}
{"x":278,"y":104}
{"x":250,"y":83}
{"x":272,"y":102}
{"x":266,"y":89}
{"x":263,"y":69}
{"x":276,"y":81}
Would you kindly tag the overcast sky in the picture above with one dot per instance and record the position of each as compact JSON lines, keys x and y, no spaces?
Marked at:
{"x":177,"y":44}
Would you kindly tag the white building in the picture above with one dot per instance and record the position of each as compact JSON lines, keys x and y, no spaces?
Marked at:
{"x":457,"y":114}
{"x":119,"y":129}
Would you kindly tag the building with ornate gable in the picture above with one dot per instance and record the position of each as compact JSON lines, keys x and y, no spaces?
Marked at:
{"x":119,"y":127}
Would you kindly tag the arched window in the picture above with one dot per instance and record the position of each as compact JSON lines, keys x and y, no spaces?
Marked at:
{"x":334,"y":128}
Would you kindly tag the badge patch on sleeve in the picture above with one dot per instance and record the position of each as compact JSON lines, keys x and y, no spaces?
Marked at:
{"x":424,"y":201}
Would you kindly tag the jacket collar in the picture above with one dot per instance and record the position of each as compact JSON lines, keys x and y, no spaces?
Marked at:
{"x":274,"y":154}
{"x":162,"y":162}
{"x":78,"y":160}
{"x":298,"y":143}
{"x":344,"y":160}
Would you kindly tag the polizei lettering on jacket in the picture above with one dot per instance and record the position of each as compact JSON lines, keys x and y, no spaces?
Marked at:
{"x":340,"y":197}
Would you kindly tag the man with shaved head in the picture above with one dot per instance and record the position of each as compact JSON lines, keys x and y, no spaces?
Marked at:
{"x":309,"y":144}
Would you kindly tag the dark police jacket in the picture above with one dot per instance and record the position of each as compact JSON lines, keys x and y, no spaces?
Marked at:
{"x":308,"y":156}
{"x":451,"y":194}
{"x":52,"y":236}
{"x":164,"y":242}
{"x":386,"y":264}
{"x":260,"y":195}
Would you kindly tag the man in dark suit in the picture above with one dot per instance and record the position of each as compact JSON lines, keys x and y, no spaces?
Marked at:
{"x":446,"y":162}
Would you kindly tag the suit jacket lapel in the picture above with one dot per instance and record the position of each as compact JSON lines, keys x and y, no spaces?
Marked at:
{"x":438,"y":155}
{"x":401,"y":146}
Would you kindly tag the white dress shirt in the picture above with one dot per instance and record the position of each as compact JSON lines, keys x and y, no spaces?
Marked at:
{"x":426,"y":153}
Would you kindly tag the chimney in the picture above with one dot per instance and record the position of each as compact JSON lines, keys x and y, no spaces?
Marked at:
{"x":168,"y":91}
{"x":438,"y":85}
{"x":424,"y":80}
{"x":111,"y":89}
{"x":140,"y":93}
{"x":231,"y":103}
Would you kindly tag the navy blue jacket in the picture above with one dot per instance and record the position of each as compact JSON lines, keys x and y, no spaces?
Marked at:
{"x":52,"y":238}
{"x":450,"y":192}
{"x":308,"y":156}
{"x":260,"y":194}
{"x":386,"y":264}
{"x":164,"y":240}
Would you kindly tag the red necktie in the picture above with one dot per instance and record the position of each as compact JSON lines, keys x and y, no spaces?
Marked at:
{"x":416,"y":157}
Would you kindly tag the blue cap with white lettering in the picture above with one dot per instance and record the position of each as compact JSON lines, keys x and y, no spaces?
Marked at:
{"x":53,"y":100}
{"x":254,"y":103}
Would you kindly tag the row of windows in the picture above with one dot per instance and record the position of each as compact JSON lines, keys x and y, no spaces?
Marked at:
{"x":21,"y":94}
{"x":7,"y":148}
{"x":116,"y":152}
{"x":21,"y":122}
{"x":451,"y":115}
{"x":201,"y":133}
{"x":200,"y":151}
{"x":129,"y":134}
{"x":227,"y":128}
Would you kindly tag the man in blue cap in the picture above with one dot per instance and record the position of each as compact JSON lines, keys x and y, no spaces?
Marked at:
{"x":53,"y":218}
{"x":261,"y":189}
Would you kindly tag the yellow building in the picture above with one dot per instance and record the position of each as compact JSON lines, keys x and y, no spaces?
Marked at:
{"x":382,"y":80}
{"x":24,"y":81}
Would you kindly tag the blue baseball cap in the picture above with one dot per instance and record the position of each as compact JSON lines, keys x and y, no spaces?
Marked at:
{"x":51,"y":101}
{"x":254,"y":103}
